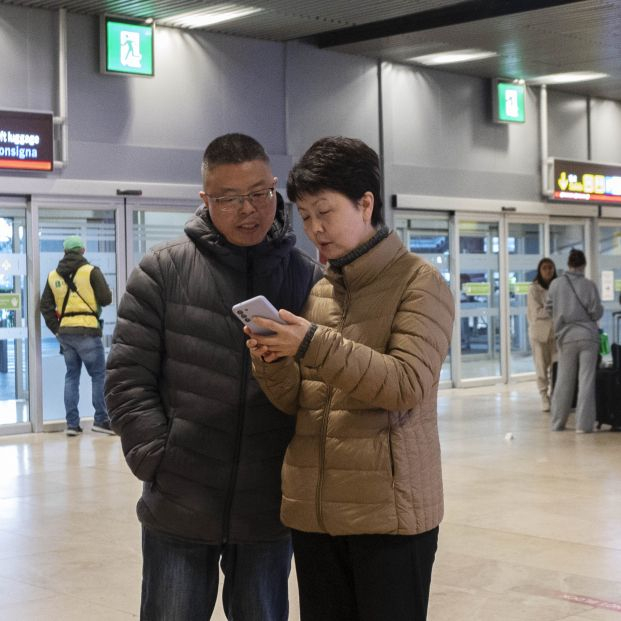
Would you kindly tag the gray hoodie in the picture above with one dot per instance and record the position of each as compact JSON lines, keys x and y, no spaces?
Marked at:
{"x":574,"y":316}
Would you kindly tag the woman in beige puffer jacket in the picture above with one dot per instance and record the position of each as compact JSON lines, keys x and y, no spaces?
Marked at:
{"x":362,"y":484}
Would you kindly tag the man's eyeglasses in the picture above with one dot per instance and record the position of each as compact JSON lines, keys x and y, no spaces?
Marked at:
{"x":258,"y":199}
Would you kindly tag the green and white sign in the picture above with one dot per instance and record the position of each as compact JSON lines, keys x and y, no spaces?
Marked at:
{"x":127,"y":47}
{"x":10,"y":301}
{"x":509,"y":101}
{"x":476,"y":288}
{"x":520,"y":288}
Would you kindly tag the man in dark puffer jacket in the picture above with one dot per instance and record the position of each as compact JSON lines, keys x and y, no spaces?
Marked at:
{"x":194,"y":425}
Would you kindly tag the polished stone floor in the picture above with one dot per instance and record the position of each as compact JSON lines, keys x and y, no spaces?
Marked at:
{"x":532,"y":529}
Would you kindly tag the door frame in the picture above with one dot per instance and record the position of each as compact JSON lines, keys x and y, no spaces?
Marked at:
{"x":21,"y":203}
{"x":545,"y":245}
{"x":456,"y":360}
{"x":38,"y":206}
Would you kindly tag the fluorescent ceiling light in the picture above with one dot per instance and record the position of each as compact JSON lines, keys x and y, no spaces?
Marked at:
{"x":208,"y":17}
{"x":455,"y":56}
{"x":567,"y":78}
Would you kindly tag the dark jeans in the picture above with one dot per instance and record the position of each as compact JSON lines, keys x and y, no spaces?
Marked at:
{"x":364,"y":577}
{"x":78,"y":349}
{"x":180,"y":579}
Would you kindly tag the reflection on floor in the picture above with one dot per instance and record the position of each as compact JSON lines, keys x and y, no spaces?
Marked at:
{"x":531,"y":531}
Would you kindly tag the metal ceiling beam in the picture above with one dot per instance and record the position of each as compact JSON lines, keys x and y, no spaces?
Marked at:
{"x":460,"y":13}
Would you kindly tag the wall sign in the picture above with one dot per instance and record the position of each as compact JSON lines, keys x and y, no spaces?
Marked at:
{"x":508,"y":101}
{"x":608,"y":285}
{"x":586,"y":182}
{"x":26,"y":141}
{"x":477,"y":288}
{"x":126,"y":46}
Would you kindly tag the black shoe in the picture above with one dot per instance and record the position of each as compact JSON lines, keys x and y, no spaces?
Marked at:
{"x":74,"y":431}
{"x":103,"y":428}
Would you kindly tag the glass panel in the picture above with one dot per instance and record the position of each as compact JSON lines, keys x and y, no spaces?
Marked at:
{"x":610,"y":259}
{"x":429,"y":238}
{"x":564,"y":237}
{"x":13,"y":317}
{"x":97,"y":229}
{"x":153,"y":227}
{"x":479,"y":284}
{"x":525,"y":250}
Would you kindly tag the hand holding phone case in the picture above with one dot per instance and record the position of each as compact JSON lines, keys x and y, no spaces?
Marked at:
{"x":258,"y":306}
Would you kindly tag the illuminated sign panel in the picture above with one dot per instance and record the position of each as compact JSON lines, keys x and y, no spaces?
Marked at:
{"x":26,"y":141}
{"x":587,"y":182}
{"x":508,"y":101}
{"x":126,"y":47}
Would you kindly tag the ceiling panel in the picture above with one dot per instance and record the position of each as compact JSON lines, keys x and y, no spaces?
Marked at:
{"x":576,"y":35}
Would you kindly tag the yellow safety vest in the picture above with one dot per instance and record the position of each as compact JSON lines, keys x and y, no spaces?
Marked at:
{"x":77,"y":312}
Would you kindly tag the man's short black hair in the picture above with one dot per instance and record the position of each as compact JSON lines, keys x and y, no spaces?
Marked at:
{"x":576,"y":258}
{"x":345,"y":165}
{"x":232,"y":149}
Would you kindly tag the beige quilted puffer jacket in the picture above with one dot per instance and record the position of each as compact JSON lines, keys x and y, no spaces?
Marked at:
{"x":365,"y":458}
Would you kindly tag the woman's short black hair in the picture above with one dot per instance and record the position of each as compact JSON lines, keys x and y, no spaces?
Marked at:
{"x":538,"y":278}
{"x":340,"y":164}
{"x":576,"y":258}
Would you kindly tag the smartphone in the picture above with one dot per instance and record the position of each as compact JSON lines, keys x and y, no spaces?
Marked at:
{"x":258,"y":306}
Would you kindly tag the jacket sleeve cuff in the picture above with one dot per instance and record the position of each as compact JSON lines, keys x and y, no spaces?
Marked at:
{"x":308,"y":337}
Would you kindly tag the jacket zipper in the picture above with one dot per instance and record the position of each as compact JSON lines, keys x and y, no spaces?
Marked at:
{"x":322,"y":455}
{"x":226,"y":522}
{"x":324,"y":433}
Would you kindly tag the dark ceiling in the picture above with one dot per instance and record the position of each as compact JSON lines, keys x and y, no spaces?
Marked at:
{"x":531,"y":37}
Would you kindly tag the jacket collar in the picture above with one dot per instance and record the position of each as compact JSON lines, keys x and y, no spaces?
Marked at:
{"x":70,"y":263}
{"x":369,"y":266}
{"x":264,"y":256}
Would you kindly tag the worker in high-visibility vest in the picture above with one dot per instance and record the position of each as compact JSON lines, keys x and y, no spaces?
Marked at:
{"x":71,"y":306}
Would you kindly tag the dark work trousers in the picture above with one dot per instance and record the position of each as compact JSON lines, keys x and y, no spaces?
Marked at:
{"x":364,"y":577}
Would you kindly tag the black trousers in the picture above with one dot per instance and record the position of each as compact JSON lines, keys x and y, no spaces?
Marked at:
{"x":364,"y":577}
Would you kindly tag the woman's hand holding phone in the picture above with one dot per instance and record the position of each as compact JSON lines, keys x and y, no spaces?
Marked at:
{"x":285,"y":339}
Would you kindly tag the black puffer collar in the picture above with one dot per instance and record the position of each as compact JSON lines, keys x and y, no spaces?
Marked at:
{"x":264,"y":256}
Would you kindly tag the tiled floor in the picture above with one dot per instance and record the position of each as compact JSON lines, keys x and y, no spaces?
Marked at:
{"x":532,"y":529}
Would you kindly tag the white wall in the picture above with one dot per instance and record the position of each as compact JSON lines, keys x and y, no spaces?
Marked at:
{"x":330,"y":94}
{"x":27,"y":59}
{"x":606,"y":131}
{"x":440,"y":139}
{"x":567,"y":126}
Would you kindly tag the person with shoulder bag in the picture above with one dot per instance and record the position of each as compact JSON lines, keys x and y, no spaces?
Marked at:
{"x":71,"y":306}
{"x":575,"y":306}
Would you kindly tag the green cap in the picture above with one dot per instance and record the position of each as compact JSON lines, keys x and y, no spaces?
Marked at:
{"x":73,"y":242}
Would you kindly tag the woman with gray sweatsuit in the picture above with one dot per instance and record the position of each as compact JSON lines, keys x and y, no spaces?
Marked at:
{"x":575,"y":306}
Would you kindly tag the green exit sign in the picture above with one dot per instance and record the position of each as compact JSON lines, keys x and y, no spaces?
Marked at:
{"x":508,"y":100}
{"x":126,"y":46}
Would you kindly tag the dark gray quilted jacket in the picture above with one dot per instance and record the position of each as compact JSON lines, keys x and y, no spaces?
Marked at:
{"x":194,"y":425}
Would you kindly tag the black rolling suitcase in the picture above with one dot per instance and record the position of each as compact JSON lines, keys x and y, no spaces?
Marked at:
{"x":608,"y":397}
